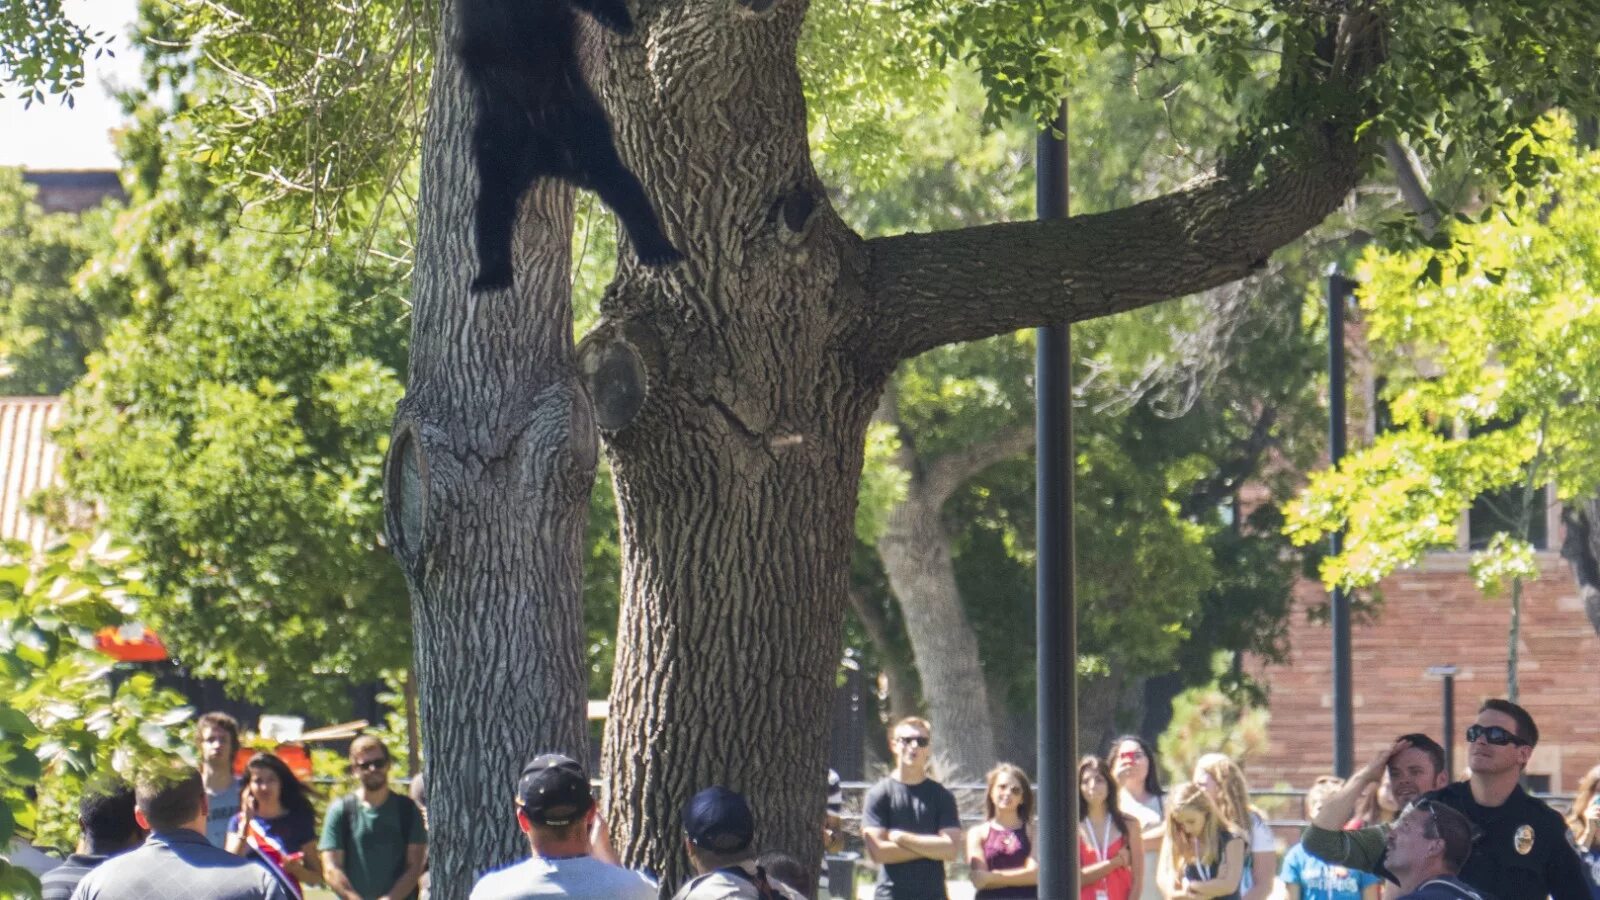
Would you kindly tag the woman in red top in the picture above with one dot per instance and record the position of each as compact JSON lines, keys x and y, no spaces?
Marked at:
{"x":1110,"y":848}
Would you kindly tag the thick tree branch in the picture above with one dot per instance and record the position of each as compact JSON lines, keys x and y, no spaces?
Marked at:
{"x":953,"y":286}
{"x":926,"y":290}
{"x":949,"y":472}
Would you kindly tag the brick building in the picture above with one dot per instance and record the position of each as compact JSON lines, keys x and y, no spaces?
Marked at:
{"x":1433,"y":615}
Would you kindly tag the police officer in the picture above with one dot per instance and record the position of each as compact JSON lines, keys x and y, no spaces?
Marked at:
{"x":1521,"y":852}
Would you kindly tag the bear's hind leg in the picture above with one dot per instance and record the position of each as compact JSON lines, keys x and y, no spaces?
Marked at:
{"x":503,"y":177}
{"x":602,"y":171}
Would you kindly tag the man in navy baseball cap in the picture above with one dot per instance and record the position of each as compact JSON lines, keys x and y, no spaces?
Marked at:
{"x":719,"y":832}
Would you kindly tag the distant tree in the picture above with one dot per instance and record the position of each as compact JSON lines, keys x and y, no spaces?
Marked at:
{"x":48,"y":326}
{"x":1489,"y":343}
{"x":232,"y":427}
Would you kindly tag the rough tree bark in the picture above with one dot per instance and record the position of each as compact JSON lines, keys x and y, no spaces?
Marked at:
{"x":734,"y":391}
{"x":915,"y":550}
{"x":486,"y":491}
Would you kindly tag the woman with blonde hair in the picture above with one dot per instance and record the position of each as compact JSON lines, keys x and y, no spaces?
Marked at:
{"x":1110,"y":847}
{"x":1222,"y":780}
{"x":1000,"y":850}
{"x":1202,"y":855}
{"x":1584,"y":820}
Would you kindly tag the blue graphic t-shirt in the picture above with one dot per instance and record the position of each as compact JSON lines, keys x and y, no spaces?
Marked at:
{"x":1320,"y":880}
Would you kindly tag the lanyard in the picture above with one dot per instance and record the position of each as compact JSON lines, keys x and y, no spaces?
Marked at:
{"x":1104,"y":842}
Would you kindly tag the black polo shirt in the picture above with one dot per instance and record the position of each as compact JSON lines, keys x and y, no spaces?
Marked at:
{"x":1521,"y":851}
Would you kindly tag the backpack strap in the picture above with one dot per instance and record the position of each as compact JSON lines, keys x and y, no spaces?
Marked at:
{"x":347,"y":838}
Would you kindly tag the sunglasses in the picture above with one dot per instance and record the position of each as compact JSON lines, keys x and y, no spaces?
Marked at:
{"x":1495,"y":735}
{"x":371,"y":765}
{"x":915,"y":741}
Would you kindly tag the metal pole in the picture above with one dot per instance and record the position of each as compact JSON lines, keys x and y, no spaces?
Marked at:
{"x":1450,"y":725}
{"x":1339,"y":288}
{"x":1056,"y":610}
{"x":1448,"y":698}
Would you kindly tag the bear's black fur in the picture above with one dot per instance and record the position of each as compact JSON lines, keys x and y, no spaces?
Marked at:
{"x":538,"y":118}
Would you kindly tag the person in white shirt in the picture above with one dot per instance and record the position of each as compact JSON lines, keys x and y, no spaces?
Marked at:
{"x":572,"y":855}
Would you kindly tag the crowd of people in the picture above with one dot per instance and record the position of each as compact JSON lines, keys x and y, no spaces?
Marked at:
{"x":1398,"y":829}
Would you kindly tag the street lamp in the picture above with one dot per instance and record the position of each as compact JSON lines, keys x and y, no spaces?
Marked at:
{"x":1448,"y":673}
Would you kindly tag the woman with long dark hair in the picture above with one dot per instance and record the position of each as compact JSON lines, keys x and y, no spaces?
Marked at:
{"x":1110,"y":847}
{"x":1139,"y":794}
{"x":276,"y":821}
{"x":1000,"y":851}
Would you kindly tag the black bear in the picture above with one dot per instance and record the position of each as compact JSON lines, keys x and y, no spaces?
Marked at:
{"x":537,"y":118}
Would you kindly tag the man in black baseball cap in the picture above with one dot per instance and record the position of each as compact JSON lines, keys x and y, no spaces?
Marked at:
{"x":557,"y":812}
{"x":719,"y":832}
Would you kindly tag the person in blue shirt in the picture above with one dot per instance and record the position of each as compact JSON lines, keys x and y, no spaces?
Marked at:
{"x":1308,"y":878}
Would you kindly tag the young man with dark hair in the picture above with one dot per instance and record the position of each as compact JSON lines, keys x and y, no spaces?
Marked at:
{"x":217,"y":733}
{"x":374,"y":844}
{"x":1426,"y":848}
{"x":572,"y":855}
{"x":909,"y":821}
{"x":1522,"y":853}
{"x":108,"y":827}
{"x":177,"y":860}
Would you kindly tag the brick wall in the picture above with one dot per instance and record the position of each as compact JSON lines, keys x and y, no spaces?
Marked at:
{"x":1434,"y":616}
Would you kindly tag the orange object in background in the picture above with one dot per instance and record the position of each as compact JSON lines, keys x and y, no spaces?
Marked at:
{"x":130,"y":644}
{"x":294,"y":755}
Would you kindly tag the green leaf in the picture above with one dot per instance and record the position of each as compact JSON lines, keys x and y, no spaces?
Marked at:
{"x":13,"y":724}
{"x":24,"y":767}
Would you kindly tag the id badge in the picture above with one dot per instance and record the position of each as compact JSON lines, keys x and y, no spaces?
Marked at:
{"x":1102,"y":894}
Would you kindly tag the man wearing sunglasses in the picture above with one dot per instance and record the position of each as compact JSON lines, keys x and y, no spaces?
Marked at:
{"x":373,"y":841}
{"x":909,"y":821}
{"x":1521,"y":851}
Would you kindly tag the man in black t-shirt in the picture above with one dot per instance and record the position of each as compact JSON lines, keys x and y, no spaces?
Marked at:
{"x":910,"y":821}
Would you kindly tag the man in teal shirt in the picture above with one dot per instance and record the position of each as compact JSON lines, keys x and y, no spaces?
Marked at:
{"x":373,"y":842}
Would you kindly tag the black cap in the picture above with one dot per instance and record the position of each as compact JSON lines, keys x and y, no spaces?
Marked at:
{"x":553,"y":790}
{"x":719,"y":820}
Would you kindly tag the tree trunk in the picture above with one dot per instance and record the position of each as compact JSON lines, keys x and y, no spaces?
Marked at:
{"x":486,"y":489}
{"x":899,"y":677}
{"x":915,"y":549}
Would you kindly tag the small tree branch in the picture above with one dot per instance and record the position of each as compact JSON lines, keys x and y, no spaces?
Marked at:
{"x":1412,"y":188}
{"x":949,"y":472}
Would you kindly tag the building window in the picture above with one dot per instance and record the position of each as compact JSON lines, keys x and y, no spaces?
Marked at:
{"x":1497,"y":511}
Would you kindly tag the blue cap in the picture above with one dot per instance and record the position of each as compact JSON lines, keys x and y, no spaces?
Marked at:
{"x":719,"y":820}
